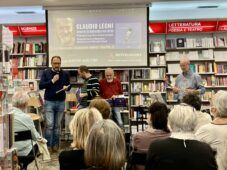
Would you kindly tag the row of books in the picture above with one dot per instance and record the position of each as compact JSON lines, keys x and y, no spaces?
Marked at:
{"x":206,"y":42}
{"x":220,"y":68}
{"x":156,"y":45}
{"x":140,"y":100}
{"x":158,"y":60}
{"x":29,"y":74}
{"x":207,"y":95}
{"x":31,"y":61}
{"x":153,"y":73}
{"x":146,"y":87}
{"x":220,"y":41}
{"x":29,"y":48}
{"x":191,"y":54}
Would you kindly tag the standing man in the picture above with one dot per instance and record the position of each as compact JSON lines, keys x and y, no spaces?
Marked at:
{"x":187,"y":82}
{"x":110,"y":87}
{"x":55,"y":81}
{"x":90,"y":88}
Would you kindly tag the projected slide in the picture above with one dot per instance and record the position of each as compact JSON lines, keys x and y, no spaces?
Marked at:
{"x":99,"y":38}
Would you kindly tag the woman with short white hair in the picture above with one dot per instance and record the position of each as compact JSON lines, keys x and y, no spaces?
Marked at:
{"x":215,"y":132}
{"x":181,"y":150}
{"x":22,"y":122}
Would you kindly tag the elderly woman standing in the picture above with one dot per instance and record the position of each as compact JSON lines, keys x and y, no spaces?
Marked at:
{"x":181,"y":150}
{"x":215,"y":132}
{"x":22,"y":122}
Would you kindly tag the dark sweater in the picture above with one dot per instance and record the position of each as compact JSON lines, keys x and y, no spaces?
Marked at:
{"x":51,"y":89}
{"x":177,"y":154}
{"x":72,"y":159}
{"x":91,"y":86}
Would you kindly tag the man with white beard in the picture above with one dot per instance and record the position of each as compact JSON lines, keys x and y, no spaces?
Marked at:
{"x":110,"y":88}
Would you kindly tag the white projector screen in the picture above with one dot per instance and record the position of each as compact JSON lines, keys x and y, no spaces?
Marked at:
{"x":98,"y":38}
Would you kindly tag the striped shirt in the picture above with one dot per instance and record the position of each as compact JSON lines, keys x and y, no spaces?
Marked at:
{"x":91,"y":85}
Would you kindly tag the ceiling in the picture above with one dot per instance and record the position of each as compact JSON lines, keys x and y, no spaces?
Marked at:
{"x":161,"y":9}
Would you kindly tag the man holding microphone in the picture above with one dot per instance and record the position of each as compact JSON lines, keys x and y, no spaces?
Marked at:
{"x":55,"y":81}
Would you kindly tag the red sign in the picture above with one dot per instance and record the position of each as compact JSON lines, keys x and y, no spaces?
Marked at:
{"x":157,"y":28}
{"x":36,"y":30}
{"x":222,"y":26}
{"x":191,"y":26}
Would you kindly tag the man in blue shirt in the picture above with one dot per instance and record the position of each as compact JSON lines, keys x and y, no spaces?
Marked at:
{"x":55,"y":81}
{"x":187,"y":82}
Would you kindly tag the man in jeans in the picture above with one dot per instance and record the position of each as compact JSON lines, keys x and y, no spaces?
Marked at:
{"x":110,"y":88}
{"x":55,"y":81}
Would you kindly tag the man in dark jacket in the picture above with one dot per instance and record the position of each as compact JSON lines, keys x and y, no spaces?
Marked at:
{"x":55,"y":81}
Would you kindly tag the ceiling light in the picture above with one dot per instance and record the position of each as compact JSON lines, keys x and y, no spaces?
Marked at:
{"x":210,"y":6}
{"x":25,"y":12}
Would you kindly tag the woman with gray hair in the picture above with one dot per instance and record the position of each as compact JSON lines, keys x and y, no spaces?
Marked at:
{"x":105,"y":147}
{"x":181,"y":150}
{"x":22,"y":122}
{"x":215,"y":132}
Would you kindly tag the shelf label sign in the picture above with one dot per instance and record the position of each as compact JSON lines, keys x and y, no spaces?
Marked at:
{"x":157,"y":28}
{"x":28,"y":30}
{"x":191,"y":26}
{"x":222,"y":26}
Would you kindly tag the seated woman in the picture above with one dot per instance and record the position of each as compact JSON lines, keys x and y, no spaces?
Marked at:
{"x":195,"y":101}
{"x":79,"y":128}
{"x":157,"y":127}
{"x":215,"y":132}
{"x":103,"y":107}
{"x":181,"y":150}
{"x":22,"y":122}
{"x":105,"y":147}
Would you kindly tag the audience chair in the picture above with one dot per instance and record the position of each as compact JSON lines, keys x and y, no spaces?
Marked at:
{"x":22,"y":136}
{"x":136,"y":159}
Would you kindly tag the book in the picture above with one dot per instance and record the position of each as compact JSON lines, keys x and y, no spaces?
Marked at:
{"x":180,"y":42}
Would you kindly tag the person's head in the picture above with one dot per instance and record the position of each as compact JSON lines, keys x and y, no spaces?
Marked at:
{"x":158,"y":115}
{"x":103,"y":107}
{"x":20,"y":99}
{"x":182,"y":118}
{"x":192,"y":100}
{"x":83,"y":71}
{"x":220,"y":104}
{"x":184,"y":64}
{"x":56,"y":63}
{"x":81,"y":124}
{"x":65,"y":31}
{"x":105,"y":146}
{"x":109,"y":75}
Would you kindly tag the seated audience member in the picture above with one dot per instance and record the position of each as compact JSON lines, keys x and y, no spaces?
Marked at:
{"x":195,"y":101}
{"x":105,"y":147}
{"x":22,"y":122}
{"x":222,"y":156}
{"x":215,"y":132}
{"x":181,"y":150}
{"x":157,"y":127}
{"x":102,"y":106}
{"x":79,"y":128}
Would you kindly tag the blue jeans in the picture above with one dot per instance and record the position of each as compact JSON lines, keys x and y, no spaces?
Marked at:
{"x":54,"y":111}
{"x":117,"y":115}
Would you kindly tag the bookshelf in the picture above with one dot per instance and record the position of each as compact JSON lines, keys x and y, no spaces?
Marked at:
{"x":144,"y":82}
{"x":7,"y":153}
{"x":207,"y":51}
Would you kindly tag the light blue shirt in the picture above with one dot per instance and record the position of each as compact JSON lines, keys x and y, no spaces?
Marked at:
{"x":189,"y":81}
{"x":23,"y":121}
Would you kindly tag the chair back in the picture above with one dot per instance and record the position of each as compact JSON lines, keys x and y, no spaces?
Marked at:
{"x":22,"y":135}
{"x":136,"y":159}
